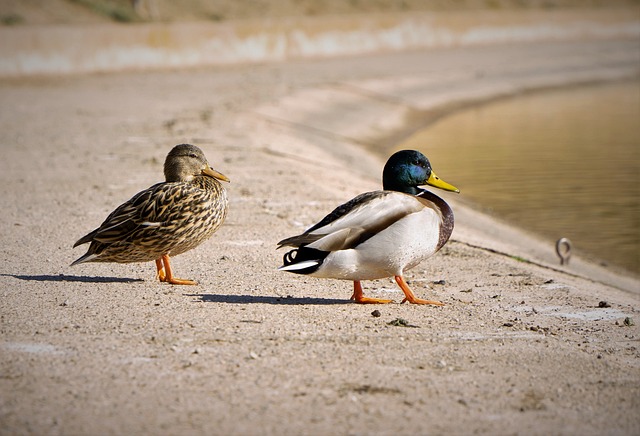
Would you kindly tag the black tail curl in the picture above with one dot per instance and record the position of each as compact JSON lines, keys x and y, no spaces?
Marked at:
{"x":302,"y":254}
{"x":290,"y":257}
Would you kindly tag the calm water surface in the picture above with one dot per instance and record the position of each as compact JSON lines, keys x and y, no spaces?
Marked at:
{"x":559,"y":163}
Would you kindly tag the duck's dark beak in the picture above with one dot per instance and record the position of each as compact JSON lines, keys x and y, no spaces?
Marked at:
{"x":215,"y":174}
{"x":439,"y":183}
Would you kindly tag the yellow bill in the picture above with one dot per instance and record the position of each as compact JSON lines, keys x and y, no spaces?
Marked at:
{"x":439,"y":183}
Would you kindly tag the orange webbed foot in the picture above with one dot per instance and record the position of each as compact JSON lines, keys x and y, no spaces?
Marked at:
{"x":177,"y":281}
{"x":165,"y":274}
{"x":408,"y":294}
{"x":359,"y":298}
{"x":421,"y":301}
{"x":369,"y":300}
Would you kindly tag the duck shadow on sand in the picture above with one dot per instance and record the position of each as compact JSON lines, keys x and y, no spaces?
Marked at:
{"x":71,"y":278}
{"x":261,"y":299}
{"x":207,"y":298}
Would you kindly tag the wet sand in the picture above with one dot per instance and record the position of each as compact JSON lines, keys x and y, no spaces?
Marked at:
{"x":522,"y":345}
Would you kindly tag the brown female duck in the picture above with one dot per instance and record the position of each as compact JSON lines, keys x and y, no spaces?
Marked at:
{"x":164,"y":220}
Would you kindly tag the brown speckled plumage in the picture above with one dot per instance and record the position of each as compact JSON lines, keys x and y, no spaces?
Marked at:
{"x":167,"y":219}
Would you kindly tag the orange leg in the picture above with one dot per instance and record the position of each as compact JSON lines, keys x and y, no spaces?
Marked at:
{"x":160,"y":267}
{"x":408,"y":295}
{"x":165,"y":274}
{"x":359,"y":297}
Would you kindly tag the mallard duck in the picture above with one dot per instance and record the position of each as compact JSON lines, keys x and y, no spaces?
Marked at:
{"x":164,"y":220}
{"x":378,"y":234}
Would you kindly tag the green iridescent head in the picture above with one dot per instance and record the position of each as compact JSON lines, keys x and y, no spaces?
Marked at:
{"x":407,"y":169}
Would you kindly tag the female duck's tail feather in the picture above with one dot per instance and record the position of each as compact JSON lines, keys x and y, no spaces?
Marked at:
{"x":86,"y":258}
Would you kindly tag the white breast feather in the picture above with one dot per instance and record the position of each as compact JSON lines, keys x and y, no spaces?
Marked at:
{"x":399,"y":247}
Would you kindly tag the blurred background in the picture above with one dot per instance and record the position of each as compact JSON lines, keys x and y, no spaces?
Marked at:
{"x":14,"y":12}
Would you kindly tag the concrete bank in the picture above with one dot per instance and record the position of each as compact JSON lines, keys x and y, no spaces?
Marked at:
{"x":32,"y":50}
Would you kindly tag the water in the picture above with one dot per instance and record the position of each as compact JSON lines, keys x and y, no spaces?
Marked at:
{"x":558,"y":163}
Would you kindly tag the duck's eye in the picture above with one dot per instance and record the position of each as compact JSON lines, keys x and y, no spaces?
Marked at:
{"x":193,"y":155}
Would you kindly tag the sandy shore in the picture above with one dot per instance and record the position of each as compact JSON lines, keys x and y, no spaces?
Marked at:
{"x":520,"y":347}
